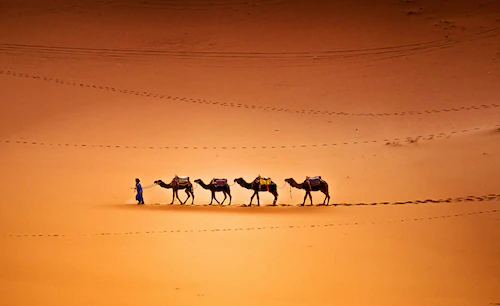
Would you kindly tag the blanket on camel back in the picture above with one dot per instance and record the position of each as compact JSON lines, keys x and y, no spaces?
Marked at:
{"x":264,"y":180}
{"x":314,"y":180}
{"x":182,"y":180}
{"x":219,"y":182}
{"x":264,"y":183}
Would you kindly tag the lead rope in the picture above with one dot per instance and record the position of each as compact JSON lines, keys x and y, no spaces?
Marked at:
{"x":146,"y":187}
{"x":282,"y":187}
{"x":290,"y":189}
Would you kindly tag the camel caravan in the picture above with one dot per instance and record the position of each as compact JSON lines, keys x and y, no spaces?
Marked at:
{"x":259,"y":184}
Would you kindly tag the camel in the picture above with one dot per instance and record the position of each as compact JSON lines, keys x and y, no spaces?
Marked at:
{"x":256,"y":186}
{"x":217,"y":185}
{"x":176,"y":184}
{"x":311,"y":184}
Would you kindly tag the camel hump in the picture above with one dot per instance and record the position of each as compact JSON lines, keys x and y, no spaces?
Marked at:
{"x":314,"y":180}
{"x":181,"y":180}
{"x":265,"y":180}
{"x":219,"y":182}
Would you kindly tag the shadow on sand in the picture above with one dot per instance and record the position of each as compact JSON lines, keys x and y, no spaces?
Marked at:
{"x":234,"y":208}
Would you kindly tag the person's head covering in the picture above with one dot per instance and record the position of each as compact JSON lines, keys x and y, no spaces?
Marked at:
{"x":137,"y":180}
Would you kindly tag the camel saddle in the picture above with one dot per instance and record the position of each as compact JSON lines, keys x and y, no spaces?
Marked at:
{"x":264,"y":181}
{"x":219,"y":182}
{"x":314,"y":180}
{"x":182,"y":180}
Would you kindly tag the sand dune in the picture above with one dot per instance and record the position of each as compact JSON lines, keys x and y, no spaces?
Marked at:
{"x":394,"y":103}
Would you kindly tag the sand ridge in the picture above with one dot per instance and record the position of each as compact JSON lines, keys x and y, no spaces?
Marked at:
{"x":493,"y":211}
{"x":290,"y":57}
{"x":239,"y":105}
{"x":387,"y":142}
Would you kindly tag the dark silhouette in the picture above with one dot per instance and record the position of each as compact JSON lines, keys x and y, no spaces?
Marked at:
{"x":176,"y":184}
{"x":311,"y":184}
{"x":257,"y":185}
{"x":139,"y":196}
{"x":217,"y":185}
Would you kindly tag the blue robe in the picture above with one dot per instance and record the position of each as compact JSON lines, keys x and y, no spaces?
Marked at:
{"x":138,"y":196}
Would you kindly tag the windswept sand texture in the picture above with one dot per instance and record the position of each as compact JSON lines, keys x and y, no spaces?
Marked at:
{"x":396,"y":104}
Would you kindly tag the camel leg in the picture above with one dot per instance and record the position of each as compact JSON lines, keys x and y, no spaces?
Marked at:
{"x":192,"y":199}
{"x":173,"y":197}
{"x":225,"y":196}
{"x":255,"y":194}
{"x":310,"y":197}
{"x":177,"y":194}
{"x":305,"y":197}
{"x":213,"y":195}
{"x":275,"y":197}
{"x":326,"y":196}
{"x":188,"y":195}
{"x":251,"y":199}
{"x":230,"y":197}
{"x":326,"y":192}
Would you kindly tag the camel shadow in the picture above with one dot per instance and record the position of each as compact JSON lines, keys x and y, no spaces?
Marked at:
{"x":232,"y":209}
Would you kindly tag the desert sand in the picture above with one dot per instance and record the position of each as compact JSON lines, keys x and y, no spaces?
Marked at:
{"x":394,"y":103}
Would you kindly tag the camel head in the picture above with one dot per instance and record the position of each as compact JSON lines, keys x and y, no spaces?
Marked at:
{"x":162,"y":184}
{"x":197,"y":181}
{"x":291,"y":182}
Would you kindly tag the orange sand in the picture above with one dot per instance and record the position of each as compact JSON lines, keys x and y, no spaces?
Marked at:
{"x":389,"y":101}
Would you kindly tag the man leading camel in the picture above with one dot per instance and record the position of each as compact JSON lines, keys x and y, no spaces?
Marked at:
{"x":138,"y":196}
